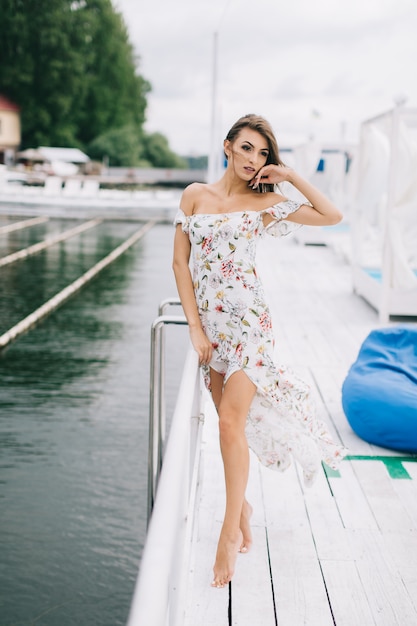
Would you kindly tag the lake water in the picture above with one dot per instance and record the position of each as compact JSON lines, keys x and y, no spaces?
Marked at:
{"x":74,"y":424}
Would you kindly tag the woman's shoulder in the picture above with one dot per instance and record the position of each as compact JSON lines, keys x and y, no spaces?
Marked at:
{"x":190,"y":196}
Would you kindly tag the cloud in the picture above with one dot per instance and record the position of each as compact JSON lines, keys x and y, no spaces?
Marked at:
{"x":348,"y":60}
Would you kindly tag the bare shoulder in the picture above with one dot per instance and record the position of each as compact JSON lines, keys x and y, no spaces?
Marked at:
{"x":190,"y":196}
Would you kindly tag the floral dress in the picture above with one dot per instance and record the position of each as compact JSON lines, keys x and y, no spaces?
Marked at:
{"x":235,"y":317}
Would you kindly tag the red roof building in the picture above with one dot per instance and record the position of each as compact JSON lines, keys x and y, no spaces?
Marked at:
{"x":9,"y":129}
{"x":8,"y":105}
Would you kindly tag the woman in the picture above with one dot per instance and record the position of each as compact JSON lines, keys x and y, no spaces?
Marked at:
{"x":230,"y":328}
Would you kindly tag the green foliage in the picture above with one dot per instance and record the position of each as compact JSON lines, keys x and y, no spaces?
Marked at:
{"x":121,"y":146}
{"x":71,"y":68}
{"x":158,"y":152}
{"x":128,"y":148}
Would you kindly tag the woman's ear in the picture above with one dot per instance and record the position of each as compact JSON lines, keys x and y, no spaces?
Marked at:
{"x":226,"y":148}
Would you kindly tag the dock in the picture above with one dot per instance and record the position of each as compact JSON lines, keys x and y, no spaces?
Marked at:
{"x":344,"y":551}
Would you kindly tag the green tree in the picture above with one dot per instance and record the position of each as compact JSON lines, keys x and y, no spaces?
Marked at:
{"x":158,"y":152}
{"x":116,"y":93}
{"x":126,"y":147}
{"x":121,"y":146}
{"x":71,"y":68}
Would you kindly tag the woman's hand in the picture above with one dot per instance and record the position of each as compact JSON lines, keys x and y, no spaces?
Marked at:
{"x":201,"y":345}
{"x":318,"y":211}
{"x":272,"y":175}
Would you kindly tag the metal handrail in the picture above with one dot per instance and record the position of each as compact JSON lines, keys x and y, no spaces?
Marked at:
{"x":159,"y":405}
{"x":157,"y":414}
{"x":166,"y":303}
{"x":160,"y":591}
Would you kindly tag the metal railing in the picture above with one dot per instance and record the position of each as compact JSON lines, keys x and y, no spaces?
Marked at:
{"x":157,"y":405}
{"x":160,"y":592}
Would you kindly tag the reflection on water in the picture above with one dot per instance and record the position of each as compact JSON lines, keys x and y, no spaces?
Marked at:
{"x":73,"y":427}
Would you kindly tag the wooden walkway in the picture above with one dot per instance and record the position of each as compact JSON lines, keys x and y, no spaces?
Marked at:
{"x":343,"y":552}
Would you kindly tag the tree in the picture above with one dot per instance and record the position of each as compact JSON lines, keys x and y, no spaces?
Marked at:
{"x":158,"y":152}
{"x":121,"y":146}
{"x":71,"y":68}
{"x":128,"y":148}
{"x":116,"y":94}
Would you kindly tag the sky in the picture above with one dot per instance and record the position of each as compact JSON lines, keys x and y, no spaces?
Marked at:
{"x":313,"y":68}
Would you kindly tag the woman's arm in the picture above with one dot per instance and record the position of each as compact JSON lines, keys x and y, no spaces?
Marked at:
{"x":322,"y":211}
{"x":185,"y":288}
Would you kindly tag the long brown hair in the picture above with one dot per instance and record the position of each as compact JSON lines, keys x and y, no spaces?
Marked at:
{"x":258,"y":123}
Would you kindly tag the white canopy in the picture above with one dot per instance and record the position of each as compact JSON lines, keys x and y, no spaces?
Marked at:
{"x":384,"y":227}
{"x":66,"y":155}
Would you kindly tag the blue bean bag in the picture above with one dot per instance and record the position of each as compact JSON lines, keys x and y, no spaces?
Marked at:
{"x":379,"y":394}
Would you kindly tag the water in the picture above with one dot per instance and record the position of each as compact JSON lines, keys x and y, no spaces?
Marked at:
{"x":73,"y":425}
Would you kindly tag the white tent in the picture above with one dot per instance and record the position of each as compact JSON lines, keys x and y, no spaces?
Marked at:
{"x":63,"y":161}
{"x":327,"y":166}
{"x":65,"y":155}
{"x":384,"y":215}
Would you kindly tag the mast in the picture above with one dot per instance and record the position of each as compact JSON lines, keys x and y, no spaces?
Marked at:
{"x":213,"y":158}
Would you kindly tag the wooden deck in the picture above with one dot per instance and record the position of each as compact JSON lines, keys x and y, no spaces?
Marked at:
{"x":345,"y":551}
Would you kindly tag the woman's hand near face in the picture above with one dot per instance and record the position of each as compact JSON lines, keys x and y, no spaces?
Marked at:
{"x":319,"y":211}
{"x":201,"y":345}
{"x":271,"y":174}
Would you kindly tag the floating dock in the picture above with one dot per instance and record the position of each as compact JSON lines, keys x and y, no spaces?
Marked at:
{"x":342,"y":552}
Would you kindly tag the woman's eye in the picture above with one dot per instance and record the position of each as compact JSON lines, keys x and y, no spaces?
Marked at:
{"x":265,"y":154}
{"x":245,"y":147}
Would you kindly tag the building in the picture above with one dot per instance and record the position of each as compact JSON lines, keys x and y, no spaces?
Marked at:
{"x":9,"y":130}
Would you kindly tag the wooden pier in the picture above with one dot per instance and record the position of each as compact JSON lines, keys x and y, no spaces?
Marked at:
{"x":343,"y":552}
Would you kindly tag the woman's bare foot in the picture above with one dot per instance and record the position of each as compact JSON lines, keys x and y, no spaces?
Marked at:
{"x":245,"y":527}
{"x":227,"y":550}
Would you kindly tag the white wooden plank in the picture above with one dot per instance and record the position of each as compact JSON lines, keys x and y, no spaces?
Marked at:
{"x":329,"y":382}
{"x":388,"y":598}
{"x":207,"y":605}
{"x":407,"y":491}
{"x":326,"y":522}
{"x":377,"y":486}
{"x":412,"y":470}
{"x":402,"y":547}
{"x":348,"y":598}
{"x":321,"y":339}
{"x":282,"y":491}
{"x":252,"y":599}
{"x":352,"y":504}
{"x":321,"y":407}
{"x":300,"y":594}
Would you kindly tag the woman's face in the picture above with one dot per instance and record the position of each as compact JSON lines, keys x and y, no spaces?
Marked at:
{"x":247,"y":153}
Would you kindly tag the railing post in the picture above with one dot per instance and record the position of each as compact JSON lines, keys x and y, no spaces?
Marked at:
{"x":161,"y":404}
{"x":157,"y":424}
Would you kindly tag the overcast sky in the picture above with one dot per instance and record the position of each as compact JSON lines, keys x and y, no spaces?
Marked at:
{"x":311,"y":67}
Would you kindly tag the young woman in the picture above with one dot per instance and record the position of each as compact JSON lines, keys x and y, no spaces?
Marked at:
{"x":259,"y":404}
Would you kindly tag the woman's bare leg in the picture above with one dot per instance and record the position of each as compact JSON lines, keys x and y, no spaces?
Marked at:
{"x":217,"y":381}
{"x":244,"y":525}
{"x":233,"y":408}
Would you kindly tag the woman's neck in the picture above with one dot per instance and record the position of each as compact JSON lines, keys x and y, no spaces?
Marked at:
{"x":232,"y":185}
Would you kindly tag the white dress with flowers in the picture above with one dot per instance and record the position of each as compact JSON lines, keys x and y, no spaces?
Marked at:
{"x":235,"y":317}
